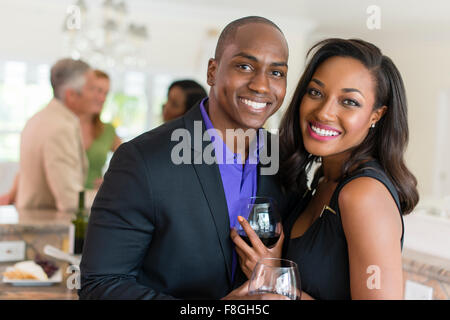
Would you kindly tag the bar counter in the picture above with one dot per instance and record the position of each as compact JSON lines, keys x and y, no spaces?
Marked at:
{"x":36,"y":228}
{"x":40,"y":227}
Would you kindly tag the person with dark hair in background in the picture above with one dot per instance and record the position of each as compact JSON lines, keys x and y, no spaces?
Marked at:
{"x":181,"y":97}
{"x":349,"y":116}
{"x":160,"y":229}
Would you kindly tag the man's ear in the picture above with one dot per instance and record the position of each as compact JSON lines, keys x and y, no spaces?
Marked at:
{"x":68,"y":95}
{"x":211,"y":74}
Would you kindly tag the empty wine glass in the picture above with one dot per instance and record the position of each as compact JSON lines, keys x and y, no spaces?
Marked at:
{"x":264,"y":218}
{"x":278,"y":276}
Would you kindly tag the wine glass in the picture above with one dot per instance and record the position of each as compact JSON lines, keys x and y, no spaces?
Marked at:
{"x":264,"y":218}
{"x":279,"y":276}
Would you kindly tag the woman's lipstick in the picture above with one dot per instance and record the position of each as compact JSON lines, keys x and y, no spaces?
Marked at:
{"x":322,"y":132}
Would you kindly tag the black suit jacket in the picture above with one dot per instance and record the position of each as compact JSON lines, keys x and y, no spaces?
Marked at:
{"x":159,"y":230}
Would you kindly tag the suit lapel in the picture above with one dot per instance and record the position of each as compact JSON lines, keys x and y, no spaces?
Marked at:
{"x":266,"y":184}
{"x":211,"y":182}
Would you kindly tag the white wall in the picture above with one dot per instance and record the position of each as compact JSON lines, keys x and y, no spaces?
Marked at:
{"x":426,"y":71}
{"x":8,"y":171}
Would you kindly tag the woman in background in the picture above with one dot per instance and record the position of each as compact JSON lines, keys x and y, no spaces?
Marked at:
{"x":182,"y":96}
{"x":349,"y":115}
{"x":98,"y":139}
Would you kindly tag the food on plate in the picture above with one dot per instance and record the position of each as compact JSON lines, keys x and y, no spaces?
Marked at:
{"x":48,"y":266}
{"x":26,"y":270}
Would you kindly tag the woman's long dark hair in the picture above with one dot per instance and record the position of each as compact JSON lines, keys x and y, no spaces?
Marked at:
{"x":386,"y":142}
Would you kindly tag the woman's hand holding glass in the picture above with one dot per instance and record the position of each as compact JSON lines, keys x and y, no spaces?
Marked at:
{"x":249,"y":256}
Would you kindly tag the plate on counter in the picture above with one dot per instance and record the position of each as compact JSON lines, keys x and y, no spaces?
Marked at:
{"x":56,"y":278}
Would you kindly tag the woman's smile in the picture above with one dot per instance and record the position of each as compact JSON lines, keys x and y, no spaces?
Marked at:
{"x":322,"y":132}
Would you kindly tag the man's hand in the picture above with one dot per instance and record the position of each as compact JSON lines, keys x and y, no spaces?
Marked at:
{"x":241,"y":293}
{"x":5,"y":199}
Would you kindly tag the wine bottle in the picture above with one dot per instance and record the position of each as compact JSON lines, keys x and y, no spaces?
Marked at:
{"x":80,"y":224}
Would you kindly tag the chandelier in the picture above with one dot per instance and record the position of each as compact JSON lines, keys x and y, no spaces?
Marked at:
{"x":103,"y":36}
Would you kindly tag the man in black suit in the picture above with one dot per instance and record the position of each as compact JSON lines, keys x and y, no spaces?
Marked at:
{"x":160,"y":224}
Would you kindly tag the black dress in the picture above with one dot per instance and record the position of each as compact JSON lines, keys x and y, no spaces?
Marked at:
{"x":321,"y":252}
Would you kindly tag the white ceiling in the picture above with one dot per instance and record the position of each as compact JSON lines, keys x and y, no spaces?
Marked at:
{"x":341,"y":14}
{"x":31,"y":29}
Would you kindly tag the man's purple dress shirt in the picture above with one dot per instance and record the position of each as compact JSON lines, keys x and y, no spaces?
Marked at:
{"x":239,"y":182}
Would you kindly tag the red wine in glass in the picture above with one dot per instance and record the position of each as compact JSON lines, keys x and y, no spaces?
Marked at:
{"x":262,"y":215}
{"x":269,"y":240}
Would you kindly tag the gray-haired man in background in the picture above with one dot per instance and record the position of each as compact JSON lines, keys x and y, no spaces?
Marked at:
{"x":53,"y":163}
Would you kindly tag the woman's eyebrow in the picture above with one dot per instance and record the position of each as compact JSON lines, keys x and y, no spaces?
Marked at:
{"x":352,"y":90}
{"x":320,"y":83}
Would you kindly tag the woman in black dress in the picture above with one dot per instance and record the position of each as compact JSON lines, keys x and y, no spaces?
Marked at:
{"x":348,"y":118}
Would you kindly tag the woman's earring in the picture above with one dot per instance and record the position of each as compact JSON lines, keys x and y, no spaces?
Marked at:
{"x":373,"y":125}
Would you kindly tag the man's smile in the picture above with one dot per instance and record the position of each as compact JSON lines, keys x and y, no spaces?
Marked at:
{"x":255,"y":105}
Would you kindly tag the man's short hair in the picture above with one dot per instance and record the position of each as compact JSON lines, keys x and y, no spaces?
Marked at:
{"x":68,"y":73}
{"x":229,"y":32}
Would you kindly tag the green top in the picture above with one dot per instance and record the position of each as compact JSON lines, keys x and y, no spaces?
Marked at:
{"x":97,"y":154}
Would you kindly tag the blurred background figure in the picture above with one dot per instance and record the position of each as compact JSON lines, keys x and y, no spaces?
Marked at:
{"x":181,"y":96}
{"x":53,"y":164}
{"x":98,"y":138}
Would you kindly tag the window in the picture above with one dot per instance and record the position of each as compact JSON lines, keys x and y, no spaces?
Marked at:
{"x":23,"y":92}
{"x":126,"y":108}
{"x":133,"y":106}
